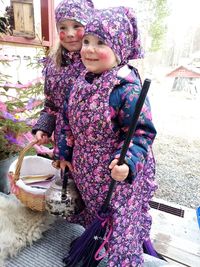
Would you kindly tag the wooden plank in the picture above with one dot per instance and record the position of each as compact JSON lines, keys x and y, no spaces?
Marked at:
{"x":23,"y":40}
{"x":28,"y":18}
{"x":18,"y":16}
{"x":174,"y":251}
{"x":23,"y":1}
{"x":174,"y":263}
{"x":24,"y":19}
{"x":176,"y":237}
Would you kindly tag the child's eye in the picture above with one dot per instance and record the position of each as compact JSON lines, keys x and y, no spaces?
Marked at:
{"x":62,"y":28}
{"x":77,"y":26}
{"x":100,"y":42}
{"x":85,"y":41}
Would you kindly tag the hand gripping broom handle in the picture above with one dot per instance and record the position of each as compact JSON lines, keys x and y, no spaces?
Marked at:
{"x":130,"y":133}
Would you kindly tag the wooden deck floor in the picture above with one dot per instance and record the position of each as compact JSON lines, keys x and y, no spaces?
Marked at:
{"x":176,"y":238}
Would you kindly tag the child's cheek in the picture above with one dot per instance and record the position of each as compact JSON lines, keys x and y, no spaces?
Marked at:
{"x":83,"y":51}
{"x":80,"y":33}
{"x":62,"y":36}
{"x":103,"y":55}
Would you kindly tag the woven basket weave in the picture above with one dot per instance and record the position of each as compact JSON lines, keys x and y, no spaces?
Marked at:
{"x":33,"y":198}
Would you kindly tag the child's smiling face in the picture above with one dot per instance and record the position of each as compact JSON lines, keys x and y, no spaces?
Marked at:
{"x":71,"y":33}
{"x":96,"y":55}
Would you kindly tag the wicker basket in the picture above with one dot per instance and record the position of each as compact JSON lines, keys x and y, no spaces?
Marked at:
{"x":34,"y":198}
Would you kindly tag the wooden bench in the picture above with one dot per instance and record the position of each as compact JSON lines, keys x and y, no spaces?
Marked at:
{"x":175,"y":233}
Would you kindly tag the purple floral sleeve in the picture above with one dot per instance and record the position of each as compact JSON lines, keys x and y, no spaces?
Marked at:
{"x":47,"y":119}
{"x":66,"y":139}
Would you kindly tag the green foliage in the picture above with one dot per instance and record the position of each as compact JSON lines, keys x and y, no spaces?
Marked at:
{"x":4,"y":77}
{"x":18,"y":111}
{"x":10,"y":132}
{"x":158,"y":28}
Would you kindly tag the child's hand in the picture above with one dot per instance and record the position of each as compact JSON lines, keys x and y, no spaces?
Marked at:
{"x":118,"y":172}
{"x":64,"y":163}
{"x":41,"y":137}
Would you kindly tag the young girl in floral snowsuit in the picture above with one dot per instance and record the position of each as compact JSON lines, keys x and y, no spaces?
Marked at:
{"x":62,"y":68}
{"x":98,"y":116}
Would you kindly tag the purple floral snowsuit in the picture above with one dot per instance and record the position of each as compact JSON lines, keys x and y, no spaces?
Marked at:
{"x":59,"y":81}
{"x":58,"y":84}
{"x":98,"y":115}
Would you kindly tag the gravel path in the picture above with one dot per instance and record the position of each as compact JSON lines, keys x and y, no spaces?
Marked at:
{"x":177,"y":147}
{"x":178,"y":170}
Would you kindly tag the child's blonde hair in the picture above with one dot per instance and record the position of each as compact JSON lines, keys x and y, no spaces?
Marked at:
{"x":56,"y":54}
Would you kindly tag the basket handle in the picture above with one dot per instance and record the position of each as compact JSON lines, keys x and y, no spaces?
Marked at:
{"x":21,"y":157}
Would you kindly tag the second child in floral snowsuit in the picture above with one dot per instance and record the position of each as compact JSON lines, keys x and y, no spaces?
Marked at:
{"x":63,"y":67}
{"x":98,"y":115}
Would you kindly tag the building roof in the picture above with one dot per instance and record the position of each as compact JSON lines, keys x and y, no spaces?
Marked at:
{"x":185,"y":71}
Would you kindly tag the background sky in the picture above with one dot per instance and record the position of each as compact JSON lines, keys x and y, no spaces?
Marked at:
{"x":109,"y":3}
{"x":183,"y":12}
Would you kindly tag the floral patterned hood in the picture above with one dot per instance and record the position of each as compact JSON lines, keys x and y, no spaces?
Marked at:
{"x":117,"y":27}
{"x":79,"y":10}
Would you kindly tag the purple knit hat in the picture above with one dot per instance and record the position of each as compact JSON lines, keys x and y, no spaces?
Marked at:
{"x":117,"y":27}
{"x":79,"y":10}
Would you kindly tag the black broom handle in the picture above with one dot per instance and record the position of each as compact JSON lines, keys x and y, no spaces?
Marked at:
{"x":127,"y":141}
{"x":64,"y":176}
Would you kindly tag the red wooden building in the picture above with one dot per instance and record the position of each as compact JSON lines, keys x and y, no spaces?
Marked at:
{"x":186,"y":78}
{"x":21,"y":17}
{"x":27,"y":31}
{"x":185,"y":71}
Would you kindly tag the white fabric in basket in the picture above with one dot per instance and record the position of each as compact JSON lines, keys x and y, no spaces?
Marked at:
{"x":34,"y":165}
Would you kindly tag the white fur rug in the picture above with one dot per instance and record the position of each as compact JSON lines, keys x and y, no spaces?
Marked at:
{"x":19,"y":226}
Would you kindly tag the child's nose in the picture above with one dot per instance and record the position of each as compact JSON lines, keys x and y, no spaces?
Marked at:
{"x":70,"y":33}
{"x":91,"y":48}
